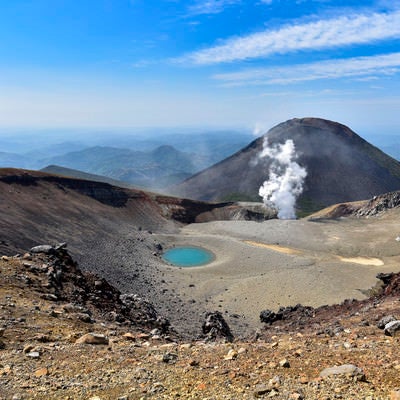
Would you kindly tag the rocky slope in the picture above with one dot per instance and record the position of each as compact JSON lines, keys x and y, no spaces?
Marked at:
{"x":367,"y":208}
{"x":340,"y":165}
{"x":111,"y":231}
{"x":67,"y":334}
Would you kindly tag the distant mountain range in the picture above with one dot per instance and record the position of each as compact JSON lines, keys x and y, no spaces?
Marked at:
{"x":153,"y":161}
{"x":340,"y":165}
{"x":155,"y":169}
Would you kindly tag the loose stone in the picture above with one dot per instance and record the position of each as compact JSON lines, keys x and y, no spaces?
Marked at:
{"x":392,"y":328}
{"x":93,"y":338}
{"x":346,"y":369}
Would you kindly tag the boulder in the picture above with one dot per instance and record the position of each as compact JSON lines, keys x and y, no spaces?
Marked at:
{"x":92,"y":338}
{"x":348,"y":370}
{"x":392,"y":328}
{"x":385,"y":320}
{"x":385,"y":277}
{"x":297,"y":313}
{"x":44,"y":248}
{"x":268,"y":316}
{"x":215,"y":327}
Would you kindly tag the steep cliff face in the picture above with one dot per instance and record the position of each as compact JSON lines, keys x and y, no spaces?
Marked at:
{"x":102,"y":192}
{"x":340,"y":165}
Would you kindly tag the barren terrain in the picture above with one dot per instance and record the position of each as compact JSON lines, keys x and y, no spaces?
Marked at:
{"x":120,"y":234}
{"x":47,"y":305}
{"x":280,"y":263}
{"x":67,"y":335}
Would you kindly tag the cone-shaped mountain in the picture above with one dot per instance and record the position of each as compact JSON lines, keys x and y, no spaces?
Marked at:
{"x":341,"y":166}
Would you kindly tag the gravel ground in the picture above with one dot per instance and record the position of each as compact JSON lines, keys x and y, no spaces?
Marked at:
{"x":46,"y":351}
{"x":245,"y":278}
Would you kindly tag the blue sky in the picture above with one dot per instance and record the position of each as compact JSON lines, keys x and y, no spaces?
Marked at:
{"x":203,"y":63}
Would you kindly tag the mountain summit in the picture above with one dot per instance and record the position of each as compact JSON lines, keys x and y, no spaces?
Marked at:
{"x":340,"y":166}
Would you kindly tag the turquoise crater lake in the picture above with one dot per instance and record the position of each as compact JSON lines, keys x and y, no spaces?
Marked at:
{"x":188,"y":256}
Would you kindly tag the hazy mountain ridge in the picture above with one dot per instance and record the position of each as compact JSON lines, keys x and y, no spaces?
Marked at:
{"x":151,"y":169}
{"x":148,"y":158}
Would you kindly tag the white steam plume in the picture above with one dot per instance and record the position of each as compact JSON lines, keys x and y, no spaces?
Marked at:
{"x":286,"y":178}
{"x":259,"y":129}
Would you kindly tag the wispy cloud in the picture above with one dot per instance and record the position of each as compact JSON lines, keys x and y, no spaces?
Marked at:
{"x":358,"y":67}
{"x":322,"y":34}
{"x":210,"y":6}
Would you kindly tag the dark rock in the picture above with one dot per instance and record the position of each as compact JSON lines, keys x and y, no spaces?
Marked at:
{"x":385,"y":320}
{"x":392,"y":287}
{"x":169,"y":358}
{"x":44,"y":248}
{"x":392,"y":328}
{"x":98,"y":284}
{"x":261,"y":391}
{"x":385,"y":277}
{"x":298,"y":309}
{"x":215,"y":327}
{"x":84,"y":317}
{"x":284,"y":363}
{"x":333,"y":330}
{"x":268,"y":317}
{"x":298,"y":313}
{"x":114,"y":317}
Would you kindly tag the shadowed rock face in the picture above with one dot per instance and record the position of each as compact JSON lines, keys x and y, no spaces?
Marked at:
{"x":341,"y":166}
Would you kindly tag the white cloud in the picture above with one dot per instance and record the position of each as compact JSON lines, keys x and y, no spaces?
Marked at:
{"x":210,"y":6}
{"x":322,"y":34}
{"x":358,"y":67}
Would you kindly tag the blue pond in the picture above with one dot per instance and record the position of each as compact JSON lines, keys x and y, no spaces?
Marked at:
{"x":188,"y":256}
